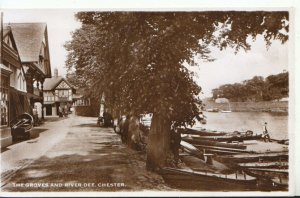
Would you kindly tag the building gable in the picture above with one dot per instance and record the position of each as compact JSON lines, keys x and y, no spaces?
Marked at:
{"x":63,"y":85}
{"x":9,"y":50}
{"x":8,"y":41}
{"x":30,"y":39}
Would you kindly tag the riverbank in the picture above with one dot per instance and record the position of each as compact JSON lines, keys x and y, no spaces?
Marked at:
{"x":263,"y":106}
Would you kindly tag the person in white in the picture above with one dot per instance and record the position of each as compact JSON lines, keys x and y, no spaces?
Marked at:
{"x":266,"y":135}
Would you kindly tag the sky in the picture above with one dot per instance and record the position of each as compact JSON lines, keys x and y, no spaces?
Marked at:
{"x":227,"y":68}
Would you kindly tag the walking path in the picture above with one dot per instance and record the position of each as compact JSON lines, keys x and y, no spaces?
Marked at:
{"x":84,"y":158}
{"x":23,"y":153}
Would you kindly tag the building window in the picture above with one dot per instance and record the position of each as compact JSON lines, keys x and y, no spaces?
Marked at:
{"x":63,"y":93}
{"x":4,"y":103}
{"x":24,"y":84}
{"x":82,"y":102}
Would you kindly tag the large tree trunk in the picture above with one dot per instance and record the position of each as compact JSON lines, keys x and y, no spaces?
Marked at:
{"x":158,"y":149}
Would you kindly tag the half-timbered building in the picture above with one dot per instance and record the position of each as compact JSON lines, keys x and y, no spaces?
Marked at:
{"x":58,"y":94}
{"x":13,"y":98}
{"x":32,"y":44}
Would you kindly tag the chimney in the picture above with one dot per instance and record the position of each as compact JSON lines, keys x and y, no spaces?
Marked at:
{"x":55,"y":72}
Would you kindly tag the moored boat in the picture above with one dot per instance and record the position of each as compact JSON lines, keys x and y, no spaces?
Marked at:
{"x":277,"y":164}
{"x":226,"y":111}
{"x":201,"y":132}
{"x":258,"y":157}
{"x":199,"y":141}
{"x":229,"y":138}
{"x":215,"y":110}
{"x":187,"y":178}
{"x":221,"y":150}
{"x":277,"y":176}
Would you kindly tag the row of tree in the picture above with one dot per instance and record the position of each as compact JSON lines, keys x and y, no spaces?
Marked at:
{"x":136,"y":59}
{"x":273,"y":87}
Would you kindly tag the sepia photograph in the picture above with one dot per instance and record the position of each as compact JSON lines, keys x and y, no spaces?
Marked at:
{"x":147,"y":100}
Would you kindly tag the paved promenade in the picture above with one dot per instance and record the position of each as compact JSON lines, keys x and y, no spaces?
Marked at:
{"x":75,"y":155}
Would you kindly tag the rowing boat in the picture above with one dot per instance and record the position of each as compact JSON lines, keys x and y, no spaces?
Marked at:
{"x":221,"y":150}
{"x":201,"y":132}
{"x":199,"y":141}
{"x":229,"y":139}
{"x":257,"y":157}
{"x":277,"y":164}
{"x":186,"y":178}
{"x":277,"y":176}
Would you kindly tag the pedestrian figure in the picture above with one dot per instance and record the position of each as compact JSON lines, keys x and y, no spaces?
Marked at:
{"x":35,"y":115}
{"x":122,"y":127}
{"x":66,"y":111}
{"x":60,"y":111}
{"x":108,"y":119}
{"x":266,"y":133}
{"x":125,"y":129}
{"x":201,"y":118}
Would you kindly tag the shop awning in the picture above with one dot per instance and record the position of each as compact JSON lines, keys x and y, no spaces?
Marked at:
{"x":19,"y":103}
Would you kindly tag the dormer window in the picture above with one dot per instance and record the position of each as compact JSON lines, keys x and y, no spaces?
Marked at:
{"x":42,"y":51}
{"x":41,"y":61}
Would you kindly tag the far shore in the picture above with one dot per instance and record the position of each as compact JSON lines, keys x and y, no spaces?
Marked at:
{"x":263,"y":106}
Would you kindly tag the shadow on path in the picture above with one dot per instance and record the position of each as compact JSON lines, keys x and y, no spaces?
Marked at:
{"x":85,"y":162}
{"x":87,"y":125}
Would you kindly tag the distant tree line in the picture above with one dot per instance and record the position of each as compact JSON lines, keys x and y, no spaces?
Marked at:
{"x":273,"y":87}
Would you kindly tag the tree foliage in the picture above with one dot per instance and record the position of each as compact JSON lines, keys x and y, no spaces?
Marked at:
{"x":136,"y":57}
{"x":256,"y":89}
{"x":137,"y":60}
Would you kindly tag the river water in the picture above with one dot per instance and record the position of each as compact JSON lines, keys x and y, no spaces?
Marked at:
{"x":242,"y":121}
